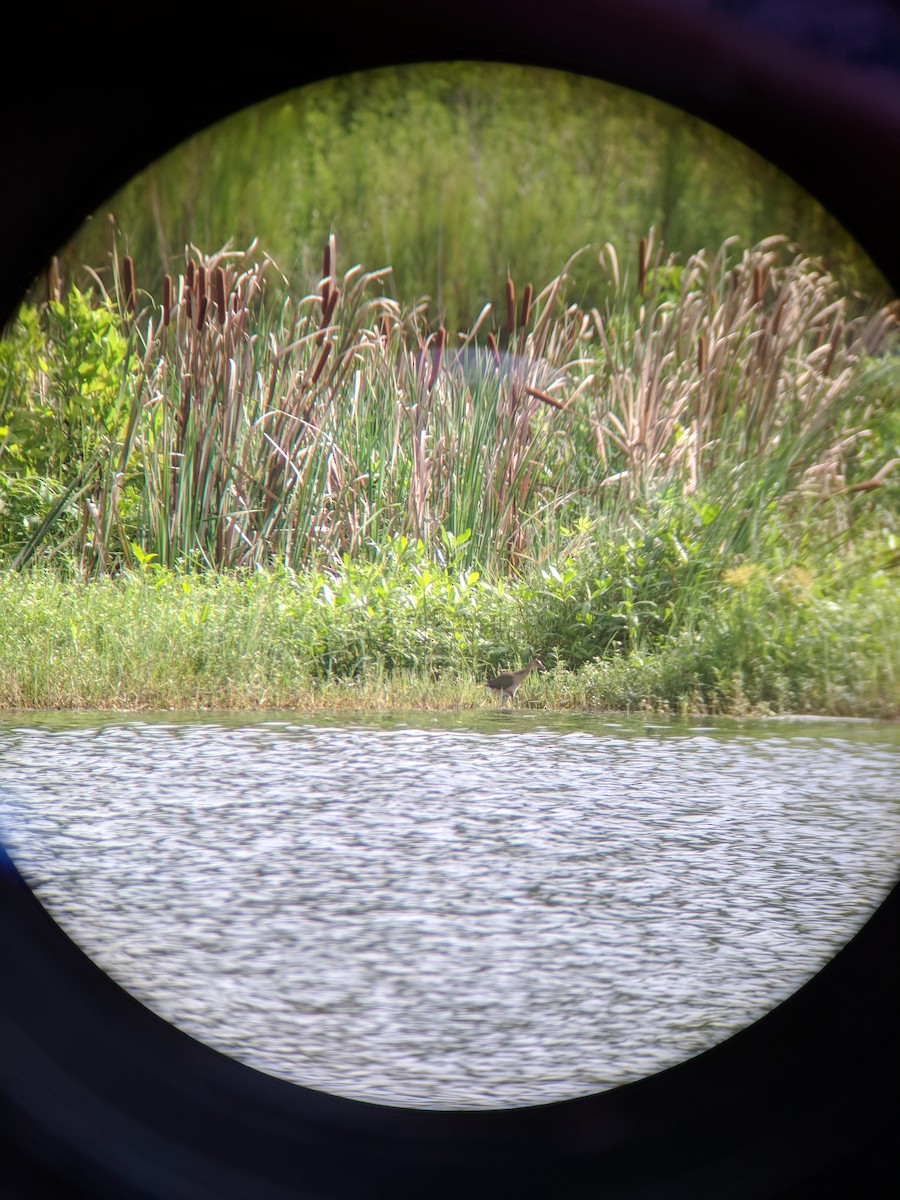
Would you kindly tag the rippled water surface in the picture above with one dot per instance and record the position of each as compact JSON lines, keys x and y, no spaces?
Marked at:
{"x":464,"y":911}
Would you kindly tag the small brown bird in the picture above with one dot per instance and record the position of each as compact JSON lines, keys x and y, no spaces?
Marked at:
{"x":507,"y":684}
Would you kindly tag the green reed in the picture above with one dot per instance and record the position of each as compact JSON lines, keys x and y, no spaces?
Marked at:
{"x":238,"y":426}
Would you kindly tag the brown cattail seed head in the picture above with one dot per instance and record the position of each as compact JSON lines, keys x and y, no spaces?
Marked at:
{"x":439,"y":343}
{"x":201,"y":310}
{"x":332,"y":304}
{"x":320,"y":365}
{"x":201,"y":281}
{"x":759,"y":283}
{"x":329,"y":258}
{"x":701,"y":353}
{"x":333,"y":298}
{"x":191,"y":272}
{"x":221,"y":299}
{"x":776,"y":322}
{"x":547,"y":399}
{"x":510,"y":305}
{"x":128,"y":282}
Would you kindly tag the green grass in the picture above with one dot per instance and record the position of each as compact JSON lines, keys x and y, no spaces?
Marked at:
{"x":408,"y":638}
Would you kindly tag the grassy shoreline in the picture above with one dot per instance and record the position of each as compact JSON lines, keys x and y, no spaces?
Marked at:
{"x":167,"y":641}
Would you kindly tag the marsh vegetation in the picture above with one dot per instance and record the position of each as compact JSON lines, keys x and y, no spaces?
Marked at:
{"x":669,"y":474}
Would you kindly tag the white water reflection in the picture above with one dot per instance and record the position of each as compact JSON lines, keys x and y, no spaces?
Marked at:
{"x":464,"y":912}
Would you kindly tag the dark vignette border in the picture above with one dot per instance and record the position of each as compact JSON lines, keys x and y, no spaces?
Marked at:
{"x":98,"y":1097}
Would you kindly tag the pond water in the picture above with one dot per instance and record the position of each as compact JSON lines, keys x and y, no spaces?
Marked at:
{"x":455,"y":911}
